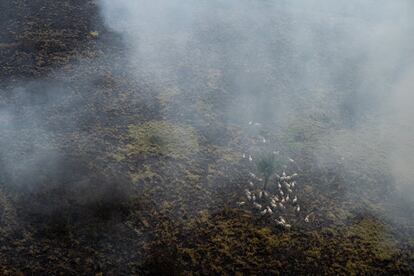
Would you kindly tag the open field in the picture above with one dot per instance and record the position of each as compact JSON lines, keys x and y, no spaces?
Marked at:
{"x":107,"y":168}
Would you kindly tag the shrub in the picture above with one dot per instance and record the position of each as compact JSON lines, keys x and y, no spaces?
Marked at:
{"x":266,"y":165}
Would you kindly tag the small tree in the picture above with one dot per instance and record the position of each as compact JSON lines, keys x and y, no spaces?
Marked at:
{"x":266,"y":165}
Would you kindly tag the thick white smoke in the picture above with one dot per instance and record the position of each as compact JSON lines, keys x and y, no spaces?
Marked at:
{"x":350,"y":60}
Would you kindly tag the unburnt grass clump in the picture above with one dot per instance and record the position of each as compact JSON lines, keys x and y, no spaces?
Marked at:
{"x":159,"y":138}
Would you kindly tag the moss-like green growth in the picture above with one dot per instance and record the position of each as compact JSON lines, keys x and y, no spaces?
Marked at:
{"x":374,"y":235}
{"x":160,"y":138}
{"x":143,"y":174}
{"x":168,"y":94}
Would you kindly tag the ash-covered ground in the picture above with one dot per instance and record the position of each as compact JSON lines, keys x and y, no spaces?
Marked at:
{"x":125,"y":160}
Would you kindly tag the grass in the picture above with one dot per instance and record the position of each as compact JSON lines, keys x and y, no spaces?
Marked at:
{"x":375,"y":236}
{"x":159,"y":138}
{"x":167,"y":95}
{"x":143,"y":174}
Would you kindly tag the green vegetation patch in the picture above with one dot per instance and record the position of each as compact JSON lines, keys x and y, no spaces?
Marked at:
{"x":146,"y":173}
{"x":375,"y":236}
{"x":167,"y":95}
{"x":160,"y":138}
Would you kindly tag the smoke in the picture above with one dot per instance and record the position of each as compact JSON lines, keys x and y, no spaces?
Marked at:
{"x":402,"y":133}
{"x":27,"y":146}
{"x":347,"y":64}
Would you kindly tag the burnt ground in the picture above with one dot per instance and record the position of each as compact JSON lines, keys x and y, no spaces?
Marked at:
{"x":100,"y":198}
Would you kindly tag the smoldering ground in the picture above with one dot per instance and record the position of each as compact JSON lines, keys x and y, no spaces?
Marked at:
{"x":283,"y":64}
{"x":131,"y":154}
{"x":44,"y":168}
{"x":344,"y":64}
